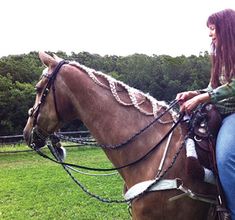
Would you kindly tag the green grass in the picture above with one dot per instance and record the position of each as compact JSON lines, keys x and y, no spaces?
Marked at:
{"x":32,"y":187}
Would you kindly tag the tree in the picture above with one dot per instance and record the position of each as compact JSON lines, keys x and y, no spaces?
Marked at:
{"x":15,"y":100}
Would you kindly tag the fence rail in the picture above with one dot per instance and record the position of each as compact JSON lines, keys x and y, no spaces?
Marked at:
{"x":17,"y":139}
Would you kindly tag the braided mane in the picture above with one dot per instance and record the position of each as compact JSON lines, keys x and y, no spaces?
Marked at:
{"x":113,"y":85}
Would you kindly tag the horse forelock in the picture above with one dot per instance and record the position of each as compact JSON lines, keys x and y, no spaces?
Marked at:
{"x":45,"y":72}
{"x":132,"y":92}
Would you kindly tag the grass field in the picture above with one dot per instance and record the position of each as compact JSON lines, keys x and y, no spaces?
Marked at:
{"x":32,"y":187}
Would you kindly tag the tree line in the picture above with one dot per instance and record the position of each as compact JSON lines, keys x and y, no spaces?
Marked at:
{"x":161,"y":76}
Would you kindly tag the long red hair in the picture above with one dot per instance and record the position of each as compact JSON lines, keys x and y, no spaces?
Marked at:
{"x":223,"y":53}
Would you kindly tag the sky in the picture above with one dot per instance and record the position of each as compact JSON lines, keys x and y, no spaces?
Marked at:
{"x":107,"y":27}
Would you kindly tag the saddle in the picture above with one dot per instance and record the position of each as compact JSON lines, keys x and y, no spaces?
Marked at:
{"x":203,"y":127}
{"x":206,"y":121}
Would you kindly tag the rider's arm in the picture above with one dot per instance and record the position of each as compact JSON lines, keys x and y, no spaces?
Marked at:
{"x":222,"y":92}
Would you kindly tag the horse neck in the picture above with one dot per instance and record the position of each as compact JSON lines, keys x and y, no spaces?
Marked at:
{"x":111,"y":123}
{"x":98,"y":109}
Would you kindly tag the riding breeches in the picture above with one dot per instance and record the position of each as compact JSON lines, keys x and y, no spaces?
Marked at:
{"x":225,"y":155}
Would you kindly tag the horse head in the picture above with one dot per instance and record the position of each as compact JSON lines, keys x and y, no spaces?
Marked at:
{"x":45,"y":115}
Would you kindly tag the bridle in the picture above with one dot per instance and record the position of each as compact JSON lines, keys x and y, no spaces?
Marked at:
{"x":38,"y":136}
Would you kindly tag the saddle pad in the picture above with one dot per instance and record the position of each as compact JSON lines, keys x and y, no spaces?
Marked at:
{"x":142,"y":186}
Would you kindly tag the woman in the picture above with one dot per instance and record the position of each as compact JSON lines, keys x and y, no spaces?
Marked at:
{"x":221,"y":92}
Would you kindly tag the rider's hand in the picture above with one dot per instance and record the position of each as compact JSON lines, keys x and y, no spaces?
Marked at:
{"x":192,"y":103}
{"x":184,"y":96}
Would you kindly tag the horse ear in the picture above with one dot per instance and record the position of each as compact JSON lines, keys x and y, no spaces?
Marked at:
{"x":47,"y":59}
{"x":58,"y":59}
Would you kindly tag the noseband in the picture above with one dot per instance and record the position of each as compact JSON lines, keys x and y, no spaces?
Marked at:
{"x":38,"y":136}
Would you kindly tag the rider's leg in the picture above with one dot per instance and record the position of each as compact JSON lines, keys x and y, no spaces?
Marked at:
{"x":225,"y":153}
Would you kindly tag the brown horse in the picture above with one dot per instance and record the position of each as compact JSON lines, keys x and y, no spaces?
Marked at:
{"x":114,"y":112}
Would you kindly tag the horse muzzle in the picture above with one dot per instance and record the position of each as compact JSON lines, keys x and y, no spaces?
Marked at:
{"x":37,"y":138}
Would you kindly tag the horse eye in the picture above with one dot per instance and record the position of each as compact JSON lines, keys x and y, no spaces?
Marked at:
{"x":38,"y":89}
